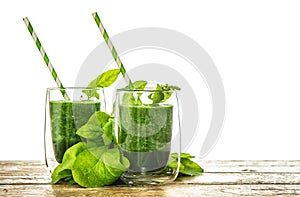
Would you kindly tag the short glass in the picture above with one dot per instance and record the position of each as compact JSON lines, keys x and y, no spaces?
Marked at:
{"x":64,"y":117}
{"x":147,"y":132}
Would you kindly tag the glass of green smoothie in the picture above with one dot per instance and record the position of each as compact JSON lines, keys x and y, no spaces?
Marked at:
{"x":147,"y":131}
{"x":63,"y":117}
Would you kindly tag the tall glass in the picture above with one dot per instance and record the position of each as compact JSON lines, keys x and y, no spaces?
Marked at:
{"x":147,"y":132}
{"x":64,"y":117}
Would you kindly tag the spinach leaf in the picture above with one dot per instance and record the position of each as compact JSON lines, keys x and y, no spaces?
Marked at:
{"x":63,"y":170}
{"x":187,"y":166}
{"x":93,"y":129}
{"x":162,"y":93}
{"x":173,"y":163}
{"x":107,"y":78}
{"x":158,"y":96}
{"x":129,"y":98}
{"x":59,"y":174}
{"x":99,"y":167}
{"x":104,"y":80}
{"x":182,"y":156}
{"x":190,"y":167}
{"x":138,"y":85}
{"x":107,"y":132}
{"x":89,"y":131}
{"x":92,"y":163}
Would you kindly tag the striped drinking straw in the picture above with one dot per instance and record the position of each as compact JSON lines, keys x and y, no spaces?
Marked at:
{"x":46,"y":58}
{"x":112,"y":49}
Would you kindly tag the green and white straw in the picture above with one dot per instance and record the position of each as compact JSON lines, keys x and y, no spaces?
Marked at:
{"x":112,"y":49}
{"x":46,"y":58}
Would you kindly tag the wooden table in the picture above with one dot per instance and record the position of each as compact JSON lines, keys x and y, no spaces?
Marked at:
{"x":221,"y":178}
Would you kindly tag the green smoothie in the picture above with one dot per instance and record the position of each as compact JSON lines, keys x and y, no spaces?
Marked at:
{"x":145,"y":135}
{"x":66,"y":117}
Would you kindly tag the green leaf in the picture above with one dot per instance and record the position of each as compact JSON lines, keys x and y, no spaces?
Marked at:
{"x":187,"y":166}
{"x":107,"y":132}
{"x":70,"y":180}
{"x":63,"y":170}
{"x":92,"y":143}
{"x":89,"y":131}
{"x":102,"y":167}
{"x":91,"y":93}
{"x":93,"y":128}
{"x":163,"y":93}
{"x":182,"y":155}
{"x":86,"y":169}
{"x":116,"y":163}
{"x":190,"y":167}
{"x":156,"y":97}
{"x":174,"y":163}
{"x":107,"y":78}
{"x":128,"y":98}
{"x":59,"y":174}
{"x":103,"y":80}
{"x":102,"y":117}
{"x":138,"y":85}
{"x":71,"y":154}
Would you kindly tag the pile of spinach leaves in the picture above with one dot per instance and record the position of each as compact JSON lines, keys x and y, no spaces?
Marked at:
{"x":95,"y":161}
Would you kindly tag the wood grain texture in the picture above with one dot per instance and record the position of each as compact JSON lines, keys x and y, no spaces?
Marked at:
{"x":167,"y":190}
{"x":221,"y":178}
{"x":23,"y":172}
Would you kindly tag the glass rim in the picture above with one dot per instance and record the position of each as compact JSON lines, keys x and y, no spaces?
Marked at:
{"x":144,"y":90}
{"x":73,"y":88}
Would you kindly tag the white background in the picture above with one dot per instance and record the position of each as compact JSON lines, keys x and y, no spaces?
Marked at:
{"x":254,"y":44}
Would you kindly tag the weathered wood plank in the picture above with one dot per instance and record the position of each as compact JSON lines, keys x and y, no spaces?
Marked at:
{"x":241,"y":178}
{"x":216,"y":172}
{"x":209,"y":166}
{"x":221,"y":178}
{"x":288,"y":166}
{"x":26,"y":172}
{"x":167,"y":190}
{"x":204,"y":179}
